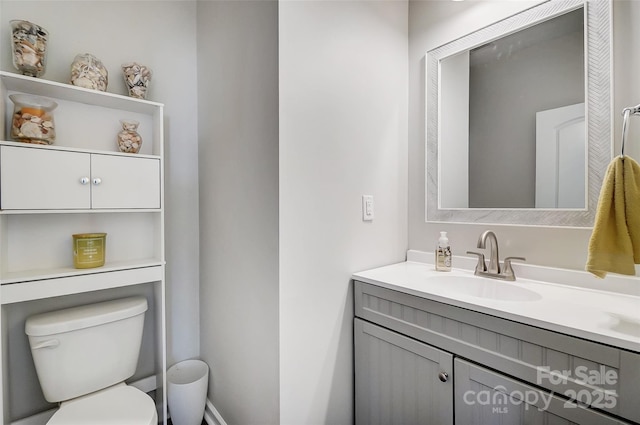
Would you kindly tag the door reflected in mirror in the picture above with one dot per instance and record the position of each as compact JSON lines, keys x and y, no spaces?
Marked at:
{"x":512,"y":120}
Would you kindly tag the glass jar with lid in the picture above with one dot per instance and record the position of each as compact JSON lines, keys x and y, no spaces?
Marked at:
{"x":32,"y":120}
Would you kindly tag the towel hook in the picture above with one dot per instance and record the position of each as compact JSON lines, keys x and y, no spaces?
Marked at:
{"x":626,"y":112}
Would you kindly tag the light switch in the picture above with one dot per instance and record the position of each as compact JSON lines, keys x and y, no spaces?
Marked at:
{"x":367,"y":208}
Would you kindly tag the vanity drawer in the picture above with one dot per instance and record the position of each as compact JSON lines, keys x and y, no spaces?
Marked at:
{"x":497,"y":399}
{"x":557,"y":362}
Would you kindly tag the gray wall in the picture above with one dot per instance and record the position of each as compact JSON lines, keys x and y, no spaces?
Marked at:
{"x":165,"y":40}
{"x":238,"y":163}
{"x":432,"y":24}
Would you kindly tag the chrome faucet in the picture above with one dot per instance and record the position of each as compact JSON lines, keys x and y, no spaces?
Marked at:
{"x":494,"y":270}
{"x":494,"y":260}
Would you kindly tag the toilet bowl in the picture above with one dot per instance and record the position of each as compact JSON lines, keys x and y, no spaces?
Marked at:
{"x":122,"y":405}
{"x":83,"y":355}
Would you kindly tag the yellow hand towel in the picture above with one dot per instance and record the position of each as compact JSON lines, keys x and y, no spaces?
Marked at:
{"x":615,"y":242}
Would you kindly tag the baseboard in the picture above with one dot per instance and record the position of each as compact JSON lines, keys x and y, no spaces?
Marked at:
{"x":212,"y":416}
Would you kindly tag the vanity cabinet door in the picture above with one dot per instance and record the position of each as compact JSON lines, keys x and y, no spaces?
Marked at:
{"x":124,"y":182}
{"x":485,"y":397}
{"x":399,"y":380}
{"x":40,"y":179}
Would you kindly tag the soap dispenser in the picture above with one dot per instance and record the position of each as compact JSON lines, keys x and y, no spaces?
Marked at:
{"x":443,"y":253}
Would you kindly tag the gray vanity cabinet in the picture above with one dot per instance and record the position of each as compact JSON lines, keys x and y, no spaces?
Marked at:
{"x":400,"y":380}
{"x":403,"y":342}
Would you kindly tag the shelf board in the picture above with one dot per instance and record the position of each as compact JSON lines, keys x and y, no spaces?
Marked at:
{"x":73,"y":149}
{"x":39,"y":274}
{"x":82,"y":211}
{"x":40,"y":87}
{"x":38,"y":284}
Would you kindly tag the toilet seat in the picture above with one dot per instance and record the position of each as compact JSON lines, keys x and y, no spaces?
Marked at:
{"x":120,"y":405}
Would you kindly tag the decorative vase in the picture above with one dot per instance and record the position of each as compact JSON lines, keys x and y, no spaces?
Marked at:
{"x":137,"y":78}
{"x":32,"y":120}
{"x":129,"y":141}
{"x":29,"y":47}
{"x":88,"y":71}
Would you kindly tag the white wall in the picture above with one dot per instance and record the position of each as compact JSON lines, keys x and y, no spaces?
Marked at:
{"x":161,"y":35}
{"x":238,"y":141}
{"x":626,"y":54}
{"x":343,"y":133}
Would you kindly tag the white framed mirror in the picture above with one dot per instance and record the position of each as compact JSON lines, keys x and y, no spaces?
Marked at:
{"x":519,"y":118}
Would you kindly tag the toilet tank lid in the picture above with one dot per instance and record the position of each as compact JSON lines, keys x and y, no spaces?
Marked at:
{"x":84,"y":316}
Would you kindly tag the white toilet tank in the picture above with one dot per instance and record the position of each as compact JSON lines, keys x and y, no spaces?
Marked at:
{"x":83,"y":349}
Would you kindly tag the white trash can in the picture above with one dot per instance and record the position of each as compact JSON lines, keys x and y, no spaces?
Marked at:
{"x":187,"y":383}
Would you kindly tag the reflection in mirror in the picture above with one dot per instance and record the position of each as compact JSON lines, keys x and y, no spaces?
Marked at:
{"x":506,"y":127}
{"x":511,"y":80}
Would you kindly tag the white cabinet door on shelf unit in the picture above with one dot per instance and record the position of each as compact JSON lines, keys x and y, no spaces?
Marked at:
{"x":38,"y":179}
{"x":34,"y":178}
{"x":125,"y":182}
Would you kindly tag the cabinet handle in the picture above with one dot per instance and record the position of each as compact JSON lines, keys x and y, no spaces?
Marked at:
{"x":84,"y":180}
{"x":443,"y":376}
{"x":97,"y":181}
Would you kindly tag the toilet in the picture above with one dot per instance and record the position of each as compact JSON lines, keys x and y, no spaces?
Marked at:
{"x":82,"y":357}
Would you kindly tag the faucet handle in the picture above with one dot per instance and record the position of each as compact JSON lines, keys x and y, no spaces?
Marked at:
{"x":481,"y":266}
{"x":507,"y":270}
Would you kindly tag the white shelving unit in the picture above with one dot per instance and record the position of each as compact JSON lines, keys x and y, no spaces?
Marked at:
{"x":43,"y":202}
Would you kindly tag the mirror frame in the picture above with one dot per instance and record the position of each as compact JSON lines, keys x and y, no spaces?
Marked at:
{"x":598,"y":106}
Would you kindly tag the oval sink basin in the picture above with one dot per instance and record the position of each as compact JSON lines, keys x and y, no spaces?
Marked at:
{"x":487,"y":288}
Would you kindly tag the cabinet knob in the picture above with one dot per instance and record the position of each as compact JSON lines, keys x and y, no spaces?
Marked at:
{"x":84,"y":180}
{"x":97,"y":181}
{"x":443,"y":376}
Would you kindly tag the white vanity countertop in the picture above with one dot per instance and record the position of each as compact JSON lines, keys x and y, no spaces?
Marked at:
{"x":607,"y":317}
